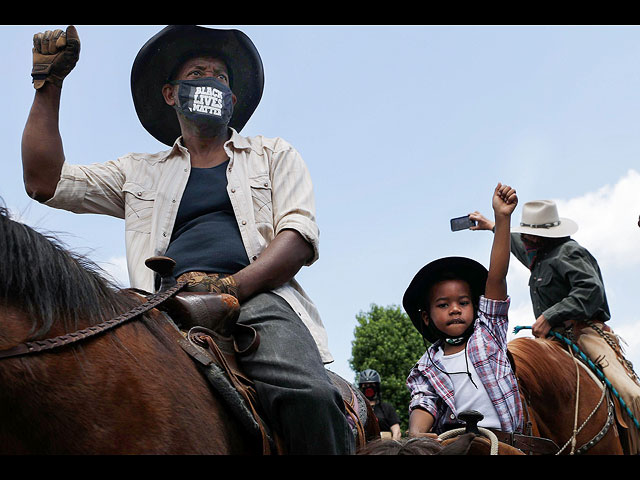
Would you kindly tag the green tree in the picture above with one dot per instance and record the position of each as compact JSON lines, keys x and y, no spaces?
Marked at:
{"x":386,"y":341}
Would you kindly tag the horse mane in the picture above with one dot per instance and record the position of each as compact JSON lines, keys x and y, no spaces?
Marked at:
{"x":50,"y":283}
{"x":539,"y":366}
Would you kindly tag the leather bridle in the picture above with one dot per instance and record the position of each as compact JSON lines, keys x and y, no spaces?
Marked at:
{"x":37,"y":346}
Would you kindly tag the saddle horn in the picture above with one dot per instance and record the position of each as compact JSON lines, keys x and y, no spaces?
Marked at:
{"x":163,"y":266}
{"x":471,"y":419}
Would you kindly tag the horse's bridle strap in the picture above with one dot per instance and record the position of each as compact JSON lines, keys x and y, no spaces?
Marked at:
{"x":69,"y":338}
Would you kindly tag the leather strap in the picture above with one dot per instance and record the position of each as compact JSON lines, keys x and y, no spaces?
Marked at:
{"x":56,"y":342}
{"x":529,"y":445}
{"x":244,"y":386}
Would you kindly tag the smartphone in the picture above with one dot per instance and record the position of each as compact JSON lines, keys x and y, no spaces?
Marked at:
{"x":462,"y":223}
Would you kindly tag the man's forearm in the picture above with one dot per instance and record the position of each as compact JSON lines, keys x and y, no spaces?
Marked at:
{"x":42,"y":151}
{"x":278,"y":263}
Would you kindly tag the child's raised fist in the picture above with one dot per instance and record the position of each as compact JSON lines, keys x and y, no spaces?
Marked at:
{"x":505,"y":200}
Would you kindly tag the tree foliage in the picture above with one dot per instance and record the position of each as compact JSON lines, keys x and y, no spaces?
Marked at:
{"x":386,"y":341}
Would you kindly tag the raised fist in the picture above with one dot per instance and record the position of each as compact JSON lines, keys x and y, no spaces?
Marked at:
{"x":55,"y":53}
{"x":504,"y":200}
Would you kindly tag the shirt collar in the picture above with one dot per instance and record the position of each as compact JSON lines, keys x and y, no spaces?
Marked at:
{"x":236,"y":141}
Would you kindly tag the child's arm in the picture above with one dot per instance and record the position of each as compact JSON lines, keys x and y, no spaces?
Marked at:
{"x":420,"y":423}
{"x":504,"y":203}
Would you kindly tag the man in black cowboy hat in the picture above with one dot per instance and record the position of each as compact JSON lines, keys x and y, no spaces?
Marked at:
{"x":236,"y":213}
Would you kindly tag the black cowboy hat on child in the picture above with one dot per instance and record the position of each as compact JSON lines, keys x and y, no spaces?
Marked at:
{"x":164,"y":52}
{"x":416,"y":297}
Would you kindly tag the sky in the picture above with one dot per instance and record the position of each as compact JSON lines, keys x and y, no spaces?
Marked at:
{"x":402,"y":128}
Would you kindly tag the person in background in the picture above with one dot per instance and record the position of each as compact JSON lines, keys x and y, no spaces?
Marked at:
{"x":369,"y":384}
{"x":568,"y":294}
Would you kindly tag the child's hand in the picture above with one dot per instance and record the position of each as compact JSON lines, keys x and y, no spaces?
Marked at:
{"x":504,"y":200}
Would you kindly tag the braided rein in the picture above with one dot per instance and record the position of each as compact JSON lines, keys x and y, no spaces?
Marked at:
{"x":67,"y":339}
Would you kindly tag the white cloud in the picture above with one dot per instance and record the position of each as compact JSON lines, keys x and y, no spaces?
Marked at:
{"x":608,"y":221}
{"x":630,"y":335}
{"x":520,"y":310}
{"x":116,"y":268}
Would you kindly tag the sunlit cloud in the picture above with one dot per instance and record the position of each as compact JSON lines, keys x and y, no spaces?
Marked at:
{"x":116,"y":268}
{"x":608,"y":228}
{"x":608,"y":222}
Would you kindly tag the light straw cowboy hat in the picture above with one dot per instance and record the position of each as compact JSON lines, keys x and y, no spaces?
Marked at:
{"x":540,"y":217}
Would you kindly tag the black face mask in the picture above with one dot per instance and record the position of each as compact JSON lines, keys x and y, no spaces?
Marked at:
{"x":204,"y":101}
{"x":370,"y":391}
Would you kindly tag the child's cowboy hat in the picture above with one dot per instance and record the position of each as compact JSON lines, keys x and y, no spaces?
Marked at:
{"x":540,"y":218}
{"x":165,"y":51}
{"x":416,"y":296}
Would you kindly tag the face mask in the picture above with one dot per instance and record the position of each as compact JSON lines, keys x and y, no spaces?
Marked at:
{"x":205,"y":101}
{"x":369,"y":391}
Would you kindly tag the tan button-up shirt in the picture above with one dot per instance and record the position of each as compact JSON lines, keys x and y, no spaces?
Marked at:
{"x":268,"y":184}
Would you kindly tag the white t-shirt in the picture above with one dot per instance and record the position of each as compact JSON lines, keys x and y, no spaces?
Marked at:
{"x":466,"y":395}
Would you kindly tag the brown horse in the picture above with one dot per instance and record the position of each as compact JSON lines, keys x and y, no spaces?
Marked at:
{"x":129,"y":390}
{"x":549,"y":378}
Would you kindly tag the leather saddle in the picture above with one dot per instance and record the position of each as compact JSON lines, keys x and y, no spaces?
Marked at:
{"x":208,"y":323}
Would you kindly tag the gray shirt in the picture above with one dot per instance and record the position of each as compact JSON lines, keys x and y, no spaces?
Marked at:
{"x":565,"y":282}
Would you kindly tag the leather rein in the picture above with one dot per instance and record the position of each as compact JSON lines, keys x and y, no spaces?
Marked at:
{"x":50,"y":343}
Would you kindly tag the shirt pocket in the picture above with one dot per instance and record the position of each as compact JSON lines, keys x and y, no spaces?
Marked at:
{"x":540,"y":280}
{"x":261,"y":197}
{"x":139,"y":202}
{"x":502,"y":364}
{"x":498,"y":360}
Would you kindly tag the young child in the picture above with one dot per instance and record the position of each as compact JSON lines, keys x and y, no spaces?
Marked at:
{"x":462,"y":310}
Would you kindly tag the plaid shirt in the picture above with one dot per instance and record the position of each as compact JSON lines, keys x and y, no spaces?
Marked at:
{"x":432,"y":390}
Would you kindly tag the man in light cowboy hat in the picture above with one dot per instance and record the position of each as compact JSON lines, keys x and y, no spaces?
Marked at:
{"x":236,"y":213}
{"x":567,"y":293}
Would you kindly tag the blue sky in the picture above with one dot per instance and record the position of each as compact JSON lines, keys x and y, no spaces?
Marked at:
{"x":402,"y":128}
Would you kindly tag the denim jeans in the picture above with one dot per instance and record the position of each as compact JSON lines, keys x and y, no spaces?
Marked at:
{"x":295,"y":392}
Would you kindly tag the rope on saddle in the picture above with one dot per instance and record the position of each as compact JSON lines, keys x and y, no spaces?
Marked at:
{"x":483,"y":431}
{"x":593,"y":367}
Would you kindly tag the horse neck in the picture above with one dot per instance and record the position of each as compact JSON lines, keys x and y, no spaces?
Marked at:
{"x":144,"y":393}
{"x":16,"y":326}
{"x":546,"y":377}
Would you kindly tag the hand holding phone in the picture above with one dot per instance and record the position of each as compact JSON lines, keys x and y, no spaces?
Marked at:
{"x":462,"y":223}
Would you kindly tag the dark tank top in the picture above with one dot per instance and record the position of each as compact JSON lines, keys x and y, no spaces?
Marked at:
{"x":205,"y":236}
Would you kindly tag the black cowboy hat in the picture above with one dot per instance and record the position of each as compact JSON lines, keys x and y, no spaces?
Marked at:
{"x":164,"y":52}
{"x":415,"y":298}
